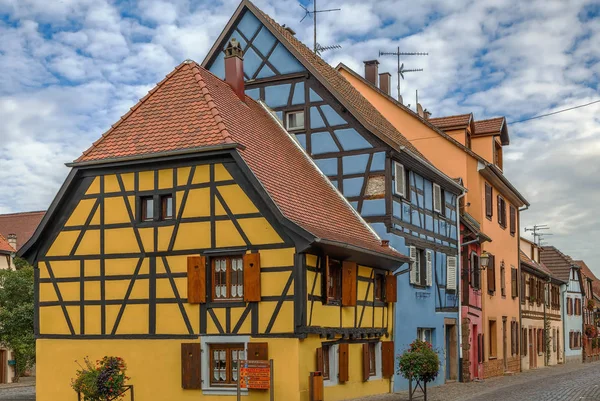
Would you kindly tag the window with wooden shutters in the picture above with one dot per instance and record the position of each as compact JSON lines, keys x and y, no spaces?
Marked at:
{"x":501,"y":212}
{"x":387,"y":359}
{"x":502,"y":280}
{"x":343,"y":362}
{"x":196,"y":279}
{"x":391,"y":288}
{"x":489,"y":206}
{"x":191,"y":378}
{"x":369,"y":360}
{"x":531,"y":289}
{"x":333,"y":281}
{"x":349,"y":272}
{"x":571,"y":340}
{"x":323,"y":361}
{"x":514,"y":283}
{"x":429,"y":268}
{"x":437,"y":198}
{"x":415,"y":265}
{"x":464,"y":278}
{"x":475,"y":271}
{"x":399,"y":180}
{"x":569,"y":312}
{"x":227,"y":278}
{"x":513,"y":220}
{"x":491,"y":275}
{"x":522,"y":288}
{"x":251,"y":274}
{"x":451,"y":273}
{"x":224,"y":363}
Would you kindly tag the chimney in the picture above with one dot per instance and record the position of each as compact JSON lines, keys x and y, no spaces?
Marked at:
{"x":426,"y":114}
{"x":371,"y":68}
{"x":385,"y":82}
{"x":12,"y":240}
{"x":234,"y":68}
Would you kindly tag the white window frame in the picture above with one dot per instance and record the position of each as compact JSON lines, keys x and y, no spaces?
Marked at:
{"x":415,"y":265}
{"x":437,"y":198}
{"x":205,"y":363}
{"x":334,"y":362}
{"x":287,"y":120}
{"x":429,"y":268}
{"x":378,"y":366}
{"x":421,"y":334}
{"x":399,"y":172}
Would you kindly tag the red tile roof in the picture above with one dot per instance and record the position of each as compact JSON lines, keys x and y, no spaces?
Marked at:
{"x":194,"y":109}
{"x":491,"y":126}
{"x":172,"y":118}
{"x":587,"y":272}
{"x":557,"y":262}
{"x":5,"y":246}
{"x":457,"y":121}
{"x":23,"y":225}
{"x":535,"y":265}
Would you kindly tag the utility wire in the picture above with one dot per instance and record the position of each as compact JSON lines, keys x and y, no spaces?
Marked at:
{"x":555,"y":112}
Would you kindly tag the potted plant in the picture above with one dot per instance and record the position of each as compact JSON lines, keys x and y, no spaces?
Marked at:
{"x":591,"y":331}
{"x":419,"y":363}
{"x":103,"y":381}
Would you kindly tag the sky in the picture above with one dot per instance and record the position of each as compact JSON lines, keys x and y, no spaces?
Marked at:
{"x":70,"y":68}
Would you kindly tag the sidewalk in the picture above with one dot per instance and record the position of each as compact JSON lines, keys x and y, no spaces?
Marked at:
{"x":24,"y":382}
{"x":509,"y":386}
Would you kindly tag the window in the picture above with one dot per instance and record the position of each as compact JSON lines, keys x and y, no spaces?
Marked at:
{"x":501,"y":212}
{"x":379,"y":287}
{"x":569,"y":306}
{"x":513,"y":282}
{"x":577,"y":306}
{"x":489,"y":206}
{"x":372,"y":359}
{"x":437,"y":198}
{"x":224,"y":363}
{"x":147,"y":203}
{"x":228,"y":278}
{"x":476,"y":272}
{"x":334,"y":280}
{"x":523,"y":287}
{"x":451,"y":273}
{"x":498,"y":154}
{"x":421,"y":266}
{"x":166,"y":207}
{"x":295,"y":120}
{"x":513,"y":221}
{"x":491,"y":275}
{"x":493,"y":335}
{"x":425,"y":334}
{"x":399,"y":180}
{"x":326,"y":366}
{"x":514,"y":337}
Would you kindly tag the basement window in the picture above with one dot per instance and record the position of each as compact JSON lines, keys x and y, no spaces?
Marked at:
{"x":294,"y":120}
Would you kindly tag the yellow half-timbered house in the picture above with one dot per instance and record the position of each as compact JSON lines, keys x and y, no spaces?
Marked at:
{"x":195,"y":233}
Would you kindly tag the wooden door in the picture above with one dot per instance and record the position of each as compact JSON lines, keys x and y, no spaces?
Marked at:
{"x":3,"y":365}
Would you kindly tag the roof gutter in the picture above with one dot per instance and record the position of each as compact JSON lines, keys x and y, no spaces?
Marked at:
{"x":400,"y":258}
{"x":146,"y":156}
{"x":495,"y":176}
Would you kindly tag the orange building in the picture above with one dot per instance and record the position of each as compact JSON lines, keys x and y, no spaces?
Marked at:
{"x":471,"y":151}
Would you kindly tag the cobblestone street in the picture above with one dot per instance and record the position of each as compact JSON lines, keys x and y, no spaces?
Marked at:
{"x":18,"y":394}
{"x":565,"y":382}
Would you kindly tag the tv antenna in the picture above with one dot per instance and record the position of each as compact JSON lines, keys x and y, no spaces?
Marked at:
{"x":537,"y":235}
{"x":317,"y":48}
{"x":401,"y":69}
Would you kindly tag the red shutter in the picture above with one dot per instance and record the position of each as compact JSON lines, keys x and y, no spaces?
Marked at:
{"x":489,"y":212}
{"x":365,"y":362}
{"x":196,"y":279}
{"x":387,"y":358}
{"x":349,"y":272}
{"x":258,"y":351}
{"x":252,"y":277}
{"x":391,"y":288}
{"x":343,"y":363}
{"x":190,"y":366}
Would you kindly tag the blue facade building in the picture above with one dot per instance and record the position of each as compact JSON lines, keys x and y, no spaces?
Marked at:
{"x":406,"y":200}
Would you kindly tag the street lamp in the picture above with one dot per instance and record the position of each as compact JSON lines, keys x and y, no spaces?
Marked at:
{"x":484,"y":260}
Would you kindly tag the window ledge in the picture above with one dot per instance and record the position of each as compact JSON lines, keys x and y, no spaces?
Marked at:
{"x":223,"y":391}
{"x":492,"y":358}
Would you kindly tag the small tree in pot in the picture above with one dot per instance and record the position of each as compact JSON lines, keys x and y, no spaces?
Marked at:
{"x":419,"y":363}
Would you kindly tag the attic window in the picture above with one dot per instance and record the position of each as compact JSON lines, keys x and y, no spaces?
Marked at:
{"x":399,"y":180}
{"x":294,"y":120}
{"x":147,"y":203}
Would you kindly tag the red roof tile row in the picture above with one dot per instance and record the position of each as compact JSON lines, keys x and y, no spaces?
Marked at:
{"x":23,"y":225}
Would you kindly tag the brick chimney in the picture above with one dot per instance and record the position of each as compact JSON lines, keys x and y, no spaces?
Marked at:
{"x":12,"y":240}
{"x":371,"y":71}
{"x":385,"y":82}
{"x":234,"y":68}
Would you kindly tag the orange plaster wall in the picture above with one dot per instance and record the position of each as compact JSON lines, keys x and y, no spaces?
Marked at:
{"x":484,"y":147}
{"x":441,"y":153}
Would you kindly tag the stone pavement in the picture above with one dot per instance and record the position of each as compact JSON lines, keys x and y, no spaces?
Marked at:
{"x":563,"y":382}
{"x":22,"y":391}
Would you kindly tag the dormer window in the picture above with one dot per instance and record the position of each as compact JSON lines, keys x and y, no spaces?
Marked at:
{"x":294,"y":120}
{"x":498,"y":155}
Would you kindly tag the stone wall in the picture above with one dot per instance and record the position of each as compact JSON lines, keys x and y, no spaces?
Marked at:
{"x":495,"y":367}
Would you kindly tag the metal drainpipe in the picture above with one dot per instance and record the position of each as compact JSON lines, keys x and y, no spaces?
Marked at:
{"x":458,"y":286}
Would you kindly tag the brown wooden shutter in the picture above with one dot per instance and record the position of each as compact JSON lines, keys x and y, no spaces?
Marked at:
{"x":365,"y":362}
{"x":349,"y":271}
{"x":387,"y":358}
{"x":498,"y":201}
{"x":391,"y":288}
{"x":465,"y":276}
{"x":489,"y":212}
{"x":190,"y":366}
{"x":320,"y":360}
{"x":252,"y":277}
{"x":522,"y":288}
{"x":491,"y":273}
{"x":571,"y":340}
{"x":343,"y":361}
{"x":513,"y":220}
{"x":196,"y":278}
{"x":258,"y":351}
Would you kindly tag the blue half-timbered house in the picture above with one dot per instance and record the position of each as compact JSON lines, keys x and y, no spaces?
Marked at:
{"x":385,"y":178}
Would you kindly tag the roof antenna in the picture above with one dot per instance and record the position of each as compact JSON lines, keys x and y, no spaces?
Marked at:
{"x":401,"y":69}
{"x":317,"y":48}
{"x":537,"y":235}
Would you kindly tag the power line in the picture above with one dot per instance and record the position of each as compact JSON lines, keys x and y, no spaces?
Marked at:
{"x":555,"y":112}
